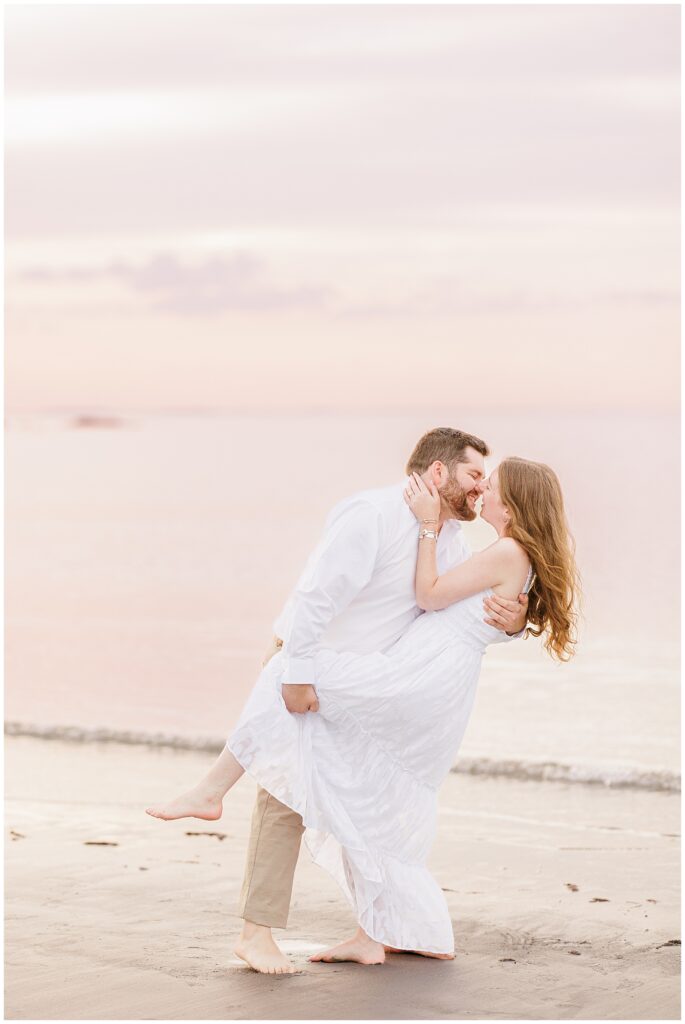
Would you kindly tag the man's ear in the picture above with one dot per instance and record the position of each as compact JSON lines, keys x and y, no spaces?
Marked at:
{"x":439,"y":473}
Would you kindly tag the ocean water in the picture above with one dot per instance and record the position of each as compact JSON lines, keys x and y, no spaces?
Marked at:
{"x":148,"y":555}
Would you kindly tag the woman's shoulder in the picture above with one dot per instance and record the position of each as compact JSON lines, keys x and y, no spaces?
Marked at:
{"x":511,"y":553}
{"x":512,"y":562}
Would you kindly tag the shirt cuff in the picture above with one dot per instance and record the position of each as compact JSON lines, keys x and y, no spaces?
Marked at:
{"x":299,"y":670}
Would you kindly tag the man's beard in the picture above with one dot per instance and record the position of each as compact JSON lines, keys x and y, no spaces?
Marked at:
{"x":456,"y":503}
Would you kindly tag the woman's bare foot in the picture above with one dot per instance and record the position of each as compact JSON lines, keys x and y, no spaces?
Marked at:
{"x":360,"y":949}
{"x":196,"y":803}
{"x":420,"y":952}
{"x":257,"y":948}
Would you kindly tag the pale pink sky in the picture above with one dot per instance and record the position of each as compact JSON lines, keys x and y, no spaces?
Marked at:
{"x":312,"y":206}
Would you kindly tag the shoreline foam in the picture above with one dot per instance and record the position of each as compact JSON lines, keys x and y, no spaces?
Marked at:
{"x":614,"y":776}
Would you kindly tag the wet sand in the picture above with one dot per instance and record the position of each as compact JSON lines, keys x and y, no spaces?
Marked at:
{"x":564,"y":899}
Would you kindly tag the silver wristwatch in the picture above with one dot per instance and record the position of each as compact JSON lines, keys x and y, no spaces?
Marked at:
{"x":428,"y":533}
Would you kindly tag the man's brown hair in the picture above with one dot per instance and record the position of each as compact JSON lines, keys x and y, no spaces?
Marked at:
{"x":445,"y":445}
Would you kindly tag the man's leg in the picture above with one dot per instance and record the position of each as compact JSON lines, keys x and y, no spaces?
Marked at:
{"x":271,"y":860}
{"x":268,"y":882}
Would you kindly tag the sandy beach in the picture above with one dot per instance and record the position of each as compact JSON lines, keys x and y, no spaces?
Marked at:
{"x":564,"y":900}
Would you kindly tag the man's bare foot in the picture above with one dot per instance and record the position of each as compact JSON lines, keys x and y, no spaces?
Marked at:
{"x":420,"y":952}
{"x":196,"y":803}
{"x":360,"y":949}
{"x":257,"y":948}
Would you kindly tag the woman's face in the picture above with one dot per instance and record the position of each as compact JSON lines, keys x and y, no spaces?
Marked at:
{"x":493,"y":510}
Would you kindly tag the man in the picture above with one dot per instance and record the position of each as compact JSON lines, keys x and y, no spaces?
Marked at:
{"x":356,"y":594}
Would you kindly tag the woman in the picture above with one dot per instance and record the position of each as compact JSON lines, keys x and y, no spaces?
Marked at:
{"x":364,"y":770}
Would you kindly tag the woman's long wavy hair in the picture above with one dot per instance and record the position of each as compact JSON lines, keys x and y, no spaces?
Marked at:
{"x":532,"y":494}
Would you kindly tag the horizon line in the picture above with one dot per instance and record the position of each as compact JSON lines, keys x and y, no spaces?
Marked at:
{"x":120,"y":411}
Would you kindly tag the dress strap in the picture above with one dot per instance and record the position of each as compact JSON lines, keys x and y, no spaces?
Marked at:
{"x":530,"y":580}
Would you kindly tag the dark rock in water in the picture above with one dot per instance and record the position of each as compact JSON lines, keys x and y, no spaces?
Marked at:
{"x":88,"y":420}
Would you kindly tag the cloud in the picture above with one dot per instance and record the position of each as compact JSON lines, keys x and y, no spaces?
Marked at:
{"x":217,"y":284}
{"x":240,"y":283}
{"x":145,"y":119}
{"x":442,"y":298}
{"x":141,"y":47}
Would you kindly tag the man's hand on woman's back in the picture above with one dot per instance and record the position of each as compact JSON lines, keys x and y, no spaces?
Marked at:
{"x":509,"y":616}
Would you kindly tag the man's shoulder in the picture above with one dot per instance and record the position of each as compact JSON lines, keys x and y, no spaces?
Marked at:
{"x":377,"y":508}
{"x":383,"y":500}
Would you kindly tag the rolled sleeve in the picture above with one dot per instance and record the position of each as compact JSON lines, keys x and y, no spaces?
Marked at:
{"x":298,"y":669}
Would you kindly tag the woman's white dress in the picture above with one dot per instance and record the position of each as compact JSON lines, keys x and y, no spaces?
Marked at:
{"x":364,"y":770}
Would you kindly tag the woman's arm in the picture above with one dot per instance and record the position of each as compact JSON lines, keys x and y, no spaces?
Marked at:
{"x":486,"y":569}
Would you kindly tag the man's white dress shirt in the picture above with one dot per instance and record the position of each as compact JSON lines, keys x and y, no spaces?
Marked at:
{"x":357,"y":590}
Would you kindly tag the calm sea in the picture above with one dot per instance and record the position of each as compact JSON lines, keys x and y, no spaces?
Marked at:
{"x":146,"y":559}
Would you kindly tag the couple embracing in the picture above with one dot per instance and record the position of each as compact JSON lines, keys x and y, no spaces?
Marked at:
{"x":362,"y":703}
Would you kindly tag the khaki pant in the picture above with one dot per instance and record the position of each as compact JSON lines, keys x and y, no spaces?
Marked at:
{"x":271,"y":859}
{"x":272,"y":854}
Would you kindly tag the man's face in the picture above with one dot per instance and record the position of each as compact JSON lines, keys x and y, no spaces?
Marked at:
{"x":461,"y":490}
